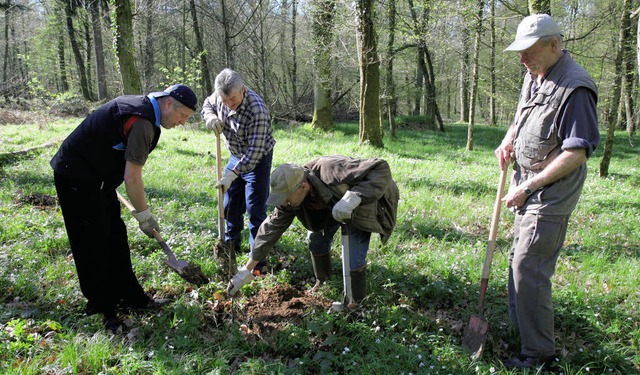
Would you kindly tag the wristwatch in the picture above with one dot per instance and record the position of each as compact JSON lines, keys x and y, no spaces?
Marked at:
{"x":527,"y":190}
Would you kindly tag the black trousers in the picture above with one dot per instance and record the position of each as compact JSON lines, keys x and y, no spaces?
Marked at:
{"x":99,"y":243}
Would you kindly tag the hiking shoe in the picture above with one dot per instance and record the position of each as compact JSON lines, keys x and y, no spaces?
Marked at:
{"x":524,"y":362}
{"x":155,"y":304}
{"x":149,"y":305}
{"x":112,"y":324}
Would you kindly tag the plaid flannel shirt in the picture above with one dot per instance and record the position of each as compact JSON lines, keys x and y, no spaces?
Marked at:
{"x":247,"y":130}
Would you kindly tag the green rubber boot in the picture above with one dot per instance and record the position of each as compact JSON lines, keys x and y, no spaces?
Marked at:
{"x":359,"y":284}
{"x":321,"y":268}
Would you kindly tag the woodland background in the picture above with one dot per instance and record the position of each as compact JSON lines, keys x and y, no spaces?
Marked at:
{"x":409,"y":65}
{"x":306,"y":57}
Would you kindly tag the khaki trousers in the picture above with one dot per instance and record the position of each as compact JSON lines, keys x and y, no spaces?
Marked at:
{"x":532,"y":260}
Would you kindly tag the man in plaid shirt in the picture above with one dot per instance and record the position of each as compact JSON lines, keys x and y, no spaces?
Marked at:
{"x":241,"y":115}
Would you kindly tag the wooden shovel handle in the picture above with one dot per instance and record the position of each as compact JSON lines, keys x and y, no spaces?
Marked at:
{"x":124,"y":201}
{"x":493,"y":232}
{"x":156,"y":235}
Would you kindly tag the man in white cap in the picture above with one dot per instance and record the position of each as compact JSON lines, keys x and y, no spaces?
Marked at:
{"x":554,"y":131}
{"x":324,"y":194}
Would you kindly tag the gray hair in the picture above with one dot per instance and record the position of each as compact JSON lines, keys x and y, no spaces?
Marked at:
{"x":228,"y":81}
{"x":547,"y":39}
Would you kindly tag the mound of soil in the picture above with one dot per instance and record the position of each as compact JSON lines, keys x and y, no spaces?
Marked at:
{"x":41,"y":201}
{"x":273,"y":309}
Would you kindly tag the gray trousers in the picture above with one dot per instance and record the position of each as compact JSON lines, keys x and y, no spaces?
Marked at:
{"x":532,"y":261}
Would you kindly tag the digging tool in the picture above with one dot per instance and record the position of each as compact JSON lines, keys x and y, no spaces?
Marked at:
{"x":346,"y":272}
{"x":476,"y":332}
{"x":224,"y":251}
{"x":189,"y":272}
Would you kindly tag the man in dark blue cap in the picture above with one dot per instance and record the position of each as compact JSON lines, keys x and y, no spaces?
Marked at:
{"x":111,"y":146}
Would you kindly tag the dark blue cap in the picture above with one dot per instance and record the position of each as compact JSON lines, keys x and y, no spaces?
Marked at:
{"x":181,"y":93}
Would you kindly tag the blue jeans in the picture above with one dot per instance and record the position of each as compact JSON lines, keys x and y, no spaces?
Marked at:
{"x":320,"y":243}
{"x":247,"y":193}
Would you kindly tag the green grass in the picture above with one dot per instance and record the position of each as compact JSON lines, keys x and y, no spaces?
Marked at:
{"x":424,"y":282}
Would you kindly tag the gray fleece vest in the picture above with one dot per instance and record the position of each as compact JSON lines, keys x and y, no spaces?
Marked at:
{"x":537,"y":142}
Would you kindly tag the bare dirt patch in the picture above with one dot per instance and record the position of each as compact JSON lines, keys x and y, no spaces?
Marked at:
{"x":272,"y":310}
{"x":40,"y":201}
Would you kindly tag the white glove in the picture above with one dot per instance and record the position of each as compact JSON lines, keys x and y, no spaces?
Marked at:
{"x":215,"y":124}
{"x":146,"y":222}
{"x":345,"y":206}
{"x":226,"y":180}
{"x":239,"y":280}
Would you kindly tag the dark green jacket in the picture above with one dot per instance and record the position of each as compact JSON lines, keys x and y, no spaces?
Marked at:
{"x":331,"y":177}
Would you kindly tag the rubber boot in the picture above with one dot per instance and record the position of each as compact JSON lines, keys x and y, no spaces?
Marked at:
{"x":359,"y":284}
{"x":321,"y":268}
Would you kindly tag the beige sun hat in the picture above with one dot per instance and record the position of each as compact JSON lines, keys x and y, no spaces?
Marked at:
{"x":531,"y":29}
{"x":284,"y":179}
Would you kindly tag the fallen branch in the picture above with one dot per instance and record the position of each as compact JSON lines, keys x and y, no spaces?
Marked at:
{"x":13,"y":154}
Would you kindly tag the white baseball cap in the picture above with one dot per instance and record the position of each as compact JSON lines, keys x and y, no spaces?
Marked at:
{"x":531,"y":29}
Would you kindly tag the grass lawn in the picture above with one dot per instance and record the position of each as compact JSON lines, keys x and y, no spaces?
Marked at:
{"x":423,"y":284}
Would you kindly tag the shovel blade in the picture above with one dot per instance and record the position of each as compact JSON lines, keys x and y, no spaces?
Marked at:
{"x":189,"y":272}
{"x":475,"y":335}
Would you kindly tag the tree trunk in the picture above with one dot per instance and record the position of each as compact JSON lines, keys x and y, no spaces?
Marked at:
{"x":226,"y":30}
{"x":263,"y":60}
{"x":629,"y":76}
{"x":492,"y":65}
{"x":101,"y":75}
{"x":62,"y":63}
{"x":615,"y":102}
{"x":323,"y":14}
{"x":124,"y":47}
{"x":7,"y":43}
{"x":76,"y":51}
{"x":204,"y":66}
{"x":464,"y":77}
{"x":540,"y":6}
{"x":88,"y":51}
{"x":432,"y":104}
{"x":390,"y":97}
{"x":294,"y":57}
{"x":148,"y":59}
{"x":284,"y":20}
{"x":419,"y":85}
{"x":474,"y":76}
{"x":370,"y":127}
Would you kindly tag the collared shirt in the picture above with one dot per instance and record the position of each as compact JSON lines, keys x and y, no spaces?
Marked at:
{"x":247,"y":130}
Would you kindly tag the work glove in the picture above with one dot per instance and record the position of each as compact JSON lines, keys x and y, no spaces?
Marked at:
{"x":226,"y":180}
{"x":146,"y":222}
{"x":215,"y":124}
{"x":239,"y":280}
{"x":344,"y":208}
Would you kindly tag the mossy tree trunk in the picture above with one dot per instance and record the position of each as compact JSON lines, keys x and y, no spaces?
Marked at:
{"x":370,"y":127}
{"x":323,"y":15}
{"x":124,"y":47}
